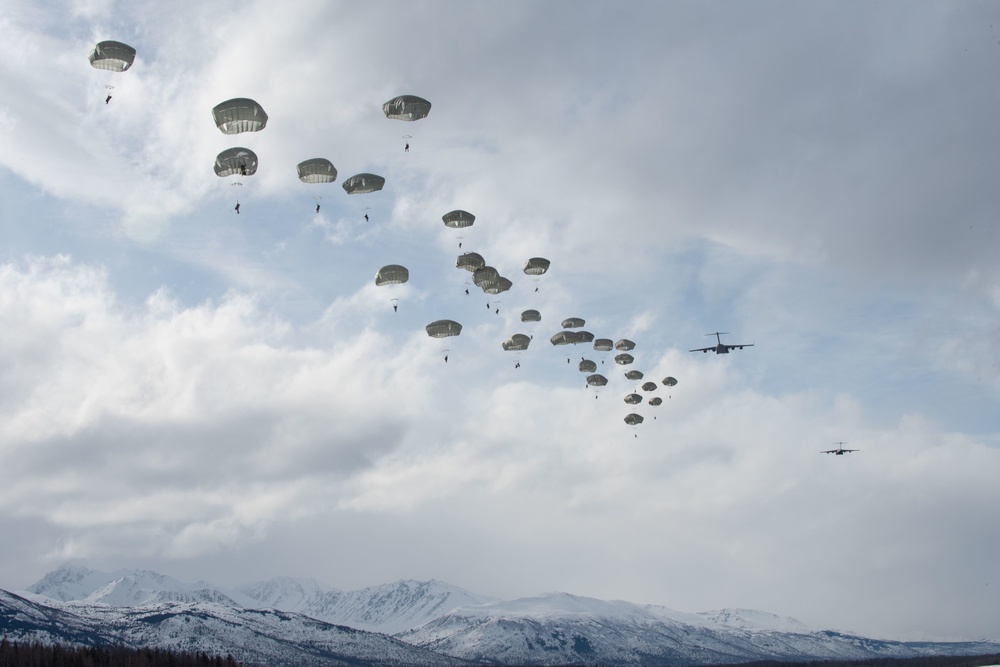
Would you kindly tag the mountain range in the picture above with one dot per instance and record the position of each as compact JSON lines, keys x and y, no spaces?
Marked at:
{"x":284,"y":622}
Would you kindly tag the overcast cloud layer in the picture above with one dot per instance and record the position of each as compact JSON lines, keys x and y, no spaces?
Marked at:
{"x":229,"y":397}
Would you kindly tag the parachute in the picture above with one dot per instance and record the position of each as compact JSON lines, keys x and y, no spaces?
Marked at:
{"x":566,"y":338}
{"x":670,"y":381}
{"x":458,"y":219}
{"x":603,"y":345}
{"x":531,"y":316}
{"x":584,"y":336}
{"x":443,"y":328}
{"x":536,"y":266}
{"x":239,"y":115}
{"x":316,"y":170}
{"x":486,"y":278}
{"x":624,"y":359}
{"x":597,"y":380}
{"x":649,"y":386}
{"x":236,"y":162}
{"x":517,"y":342}
{"x":406,"y":107}
{"x":633,"y":375}
{"x":572,"y":323}
{"x":112,"y":56}
{"x":656,"y":400}
{"x":633,"y":419}
{"x":470,"y":261}
{"x":587,"y":366}
{"x":360,"y":184}
{"x":392,"y":274}
{"x":624,"y":345}
{"x":633,"y":399}
{"x":502,"y":285}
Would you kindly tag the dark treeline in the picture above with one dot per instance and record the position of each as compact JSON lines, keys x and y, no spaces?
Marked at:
{"x":36,"y":654}
{"x":923,"y":661}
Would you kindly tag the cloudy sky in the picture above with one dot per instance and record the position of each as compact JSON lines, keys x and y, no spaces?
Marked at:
{"x":229,"y":397}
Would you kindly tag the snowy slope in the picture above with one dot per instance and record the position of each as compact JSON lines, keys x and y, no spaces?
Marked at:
{"x":390,"y":608}
{"x":263,"y":637}
{"x":559,"y":629}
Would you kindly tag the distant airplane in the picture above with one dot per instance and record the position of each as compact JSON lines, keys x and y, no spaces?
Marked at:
{"x":721,"y":348}
{"x":839,"y":451}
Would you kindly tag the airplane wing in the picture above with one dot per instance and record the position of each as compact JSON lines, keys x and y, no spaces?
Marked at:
{"x":738,"y":347}
{"x":702,"y":349}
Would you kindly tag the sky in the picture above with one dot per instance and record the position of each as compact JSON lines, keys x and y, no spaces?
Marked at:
{"x":229,"y":397}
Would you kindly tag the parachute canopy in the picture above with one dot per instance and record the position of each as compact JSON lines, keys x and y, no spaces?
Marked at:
{"x":603,"y":345}
{"x":486,"y":277}
{"x":316,"y":170}
{"x":670,"y":381}
{"x":597,"y":380}
{"x":517,"y":342}
{"x":625,"y":345}
{"x":584,"y":336}
{"x":633,"y":399}
{"x":407,"y":107}
{"x":656,"y":400}
{"x":632,"y":419}
{"x":649,"y":386}
{"x":587,"y":366}
{"x":502,"y":285}
{"x":236,"y":161}
{"x":112,"y":56}
{"x":470,"y":261}
{"x":573,"y":323}
{"x":360,"y":184}
{"x":458,"y":219}
{"x":443,"y":329}
{"x":624,"y":359}
{"x":531,"y":316}
{"x":536,"y":266}
{"x":239,"y":115}
{"x":392,"y":274}
{"x":566,"y":338}
{"x":633,"y":375}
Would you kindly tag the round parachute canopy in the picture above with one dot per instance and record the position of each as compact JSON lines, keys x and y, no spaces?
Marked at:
{"x":458,"y":219}
{"x":633,"y":399}
{"x":531,"y":316}
{"x":502,"y":286}
{"x":361,"y":184}
{"x":316,"y":170}
{"x":603,"y":345}
{"x":565,"y":338}
{"x":392,"y":274}
{"x":443,"y":329}
{"x":470,"y":261}
{"x":624,"y":345}
{"x":632,"y":419}
{"x":656,"y":400}
{"x":584,"y":336}
{"x":597,"y":380}
{"x":587,"y":366}
{"x":624,"y":359}
{"x":572,"y":323}
{"x":633,"y":375}
{"x":670,"y":381}
{"x":536,"y":266}
{"x":236,"y":162}
{"x":486,"y":277}
{"x":112,"y":56}
{"x":517,"y":342}
{"x":239,"y":115}
{"x":407,"y":107}
{"x":649,"y":386}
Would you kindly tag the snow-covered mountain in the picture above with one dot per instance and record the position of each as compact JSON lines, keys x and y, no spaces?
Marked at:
{"x":390,"y":608}
{"x":300,"y":621}
{"x":252,"y":636}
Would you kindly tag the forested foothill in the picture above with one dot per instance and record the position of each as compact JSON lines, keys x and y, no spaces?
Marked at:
{"x":36,"y":654}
